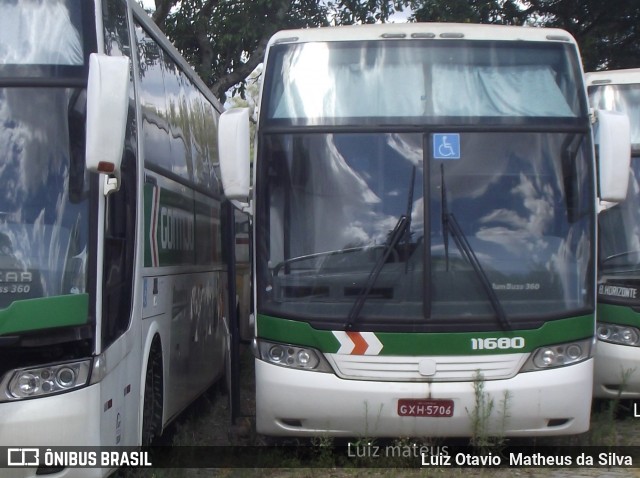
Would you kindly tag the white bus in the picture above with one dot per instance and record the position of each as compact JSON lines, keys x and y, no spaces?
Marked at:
{"x":425,"y":231}
{"x":617,"y":358}
{"x":114,"y":308}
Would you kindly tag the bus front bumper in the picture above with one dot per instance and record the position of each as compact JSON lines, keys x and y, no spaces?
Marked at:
{"x":66,"y":420}
{"x":301,"y":403}
{"x":616,"y":371}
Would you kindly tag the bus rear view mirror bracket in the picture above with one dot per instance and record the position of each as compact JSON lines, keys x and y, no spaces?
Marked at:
{"x":233,"y":143}
{"x":107,"y":107}
{"x":613,"y":139}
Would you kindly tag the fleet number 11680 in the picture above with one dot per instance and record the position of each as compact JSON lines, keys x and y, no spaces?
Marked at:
{"x":497,"y":343}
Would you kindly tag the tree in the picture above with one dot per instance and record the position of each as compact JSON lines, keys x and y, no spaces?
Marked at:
{"x":224,"y":40}
{"x":504,"y":12}
{"x":607,"y":31}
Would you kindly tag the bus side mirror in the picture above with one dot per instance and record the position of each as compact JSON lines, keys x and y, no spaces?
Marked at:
{"x":107,"y":107}
{"x":233,"y":144}
{"x":613,"y":139}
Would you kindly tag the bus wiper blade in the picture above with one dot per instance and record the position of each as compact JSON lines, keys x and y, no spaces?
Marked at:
{"x":444,"y":217}
{"x":306,"y":257}
{"x":451,"y":225}
{"x":462,"y":243}
{"x":392,"y":241}
{"x":401,"y":230}
{"x":620,"y":254}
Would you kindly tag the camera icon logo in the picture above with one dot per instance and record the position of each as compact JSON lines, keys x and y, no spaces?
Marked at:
{"x":23,"y":457}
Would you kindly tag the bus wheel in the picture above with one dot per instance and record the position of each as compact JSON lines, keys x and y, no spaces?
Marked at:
{"x":152,"y":405}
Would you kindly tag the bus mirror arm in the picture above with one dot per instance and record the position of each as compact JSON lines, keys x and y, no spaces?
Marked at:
{"x":245,"y":207}
{"x":107,"y":110}
{"x":613,"y":139}
{"x":111,"y":184}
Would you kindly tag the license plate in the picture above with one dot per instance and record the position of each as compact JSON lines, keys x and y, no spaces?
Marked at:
{"x":409,"y":407}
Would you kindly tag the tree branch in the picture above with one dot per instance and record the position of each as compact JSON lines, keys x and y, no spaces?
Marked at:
{"x":220,"y":87}
{"x":163,"y":7}
{"x":206,"y":50}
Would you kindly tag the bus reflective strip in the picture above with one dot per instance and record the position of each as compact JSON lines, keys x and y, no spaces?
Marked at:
{"x":358,"y":343}
{"x":108,"y":404}
{"x":127,"y":390}
{"x":374,"y":345}
{"x":153,"y":240}
{"x":361,"y":345}
{"x":346,"y":344}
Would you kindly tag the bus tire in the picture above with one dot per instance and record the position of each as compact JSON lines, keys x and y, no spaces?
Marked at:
{"x":153,"y":396}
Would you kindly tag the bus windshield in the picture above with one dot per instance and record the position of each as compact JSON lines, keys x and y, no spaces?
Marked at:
{"x":332,"y":200}
{"x":36,"y":32}
{"x":44,"y":206}
{"x":44,"y":199}
{"x":430,"y":220}
{"x":620,"y":223}
{"x":408,"y":81}
{"x":620,"y":230}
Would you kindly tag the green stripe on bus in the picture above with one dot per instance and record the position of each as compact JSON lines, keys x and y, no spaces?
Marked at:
{"x":421,"y":343}
{"x":618,"y":314}
{"x":44,"y":313}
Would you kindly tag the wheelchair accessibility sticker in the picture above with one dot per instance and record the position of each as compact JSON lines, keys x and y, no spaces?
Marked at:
{"x":446,"y":146}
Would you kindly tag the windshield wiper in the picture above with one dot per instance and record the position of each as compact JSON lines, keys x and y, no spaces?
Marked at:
{"x":619,"y":254}
{"x":401,"y":230}
{"x":276,"y":270}
{"x":451,"y":225}
{"x":392,"y":241}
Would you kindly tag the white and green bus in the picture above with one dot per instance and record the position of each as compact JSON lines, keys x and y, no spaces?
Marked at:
{"x":425,"y":229}
{"x":617,"y":358}
{"x":114,"y":264}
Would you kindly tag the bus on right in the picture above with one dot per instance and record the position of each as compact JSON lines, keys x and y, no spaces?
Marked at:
{"x":617,"y":357}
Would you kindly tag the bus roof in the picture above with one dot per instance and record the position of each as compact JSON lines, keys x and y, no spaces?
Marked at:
{"x":422,"y":31}
{"x":613,"y":77}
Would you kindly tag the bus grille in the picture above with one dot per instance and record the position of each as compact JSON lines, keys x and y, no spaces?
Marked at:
{"x":426,"y":369}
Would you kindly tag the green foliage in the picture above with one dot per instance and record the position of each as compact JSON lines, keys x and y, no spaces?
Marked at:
{"x":502,"y":12}
{"x":224,"y":40}
{"x":608,"y":31}
{"x":484,"y":437}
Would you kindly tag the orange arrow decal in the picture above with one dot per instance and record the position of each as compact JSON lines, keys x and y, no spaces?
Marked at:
{"x":360,"y":343}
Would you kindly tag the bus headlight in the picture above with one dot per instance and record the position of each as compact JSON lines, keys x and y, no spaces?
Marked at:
{"x":618,"y":334}
{"x":45,"y":380}
{"x":560,"y":355}
{"x":291,"y":356}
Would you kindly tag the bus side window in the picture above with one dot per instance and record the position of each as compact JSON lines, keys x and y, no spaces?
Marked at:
{"x":120,"y":213}
{"x":119,"y":240}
